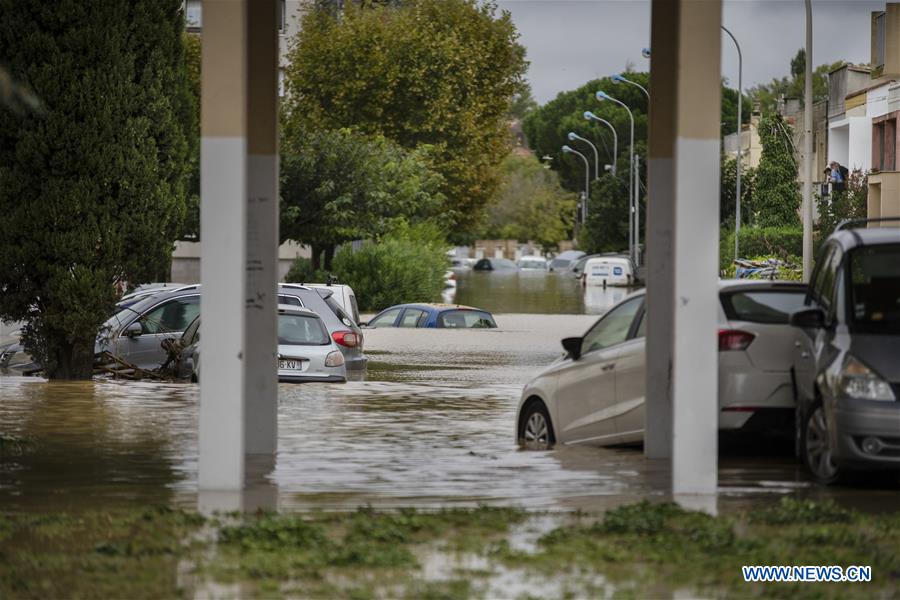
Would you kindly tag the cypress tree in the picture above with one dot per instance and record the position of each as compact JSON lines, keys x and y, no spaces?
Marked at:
{"x":92,"y":189}
{"x":777,"y":195}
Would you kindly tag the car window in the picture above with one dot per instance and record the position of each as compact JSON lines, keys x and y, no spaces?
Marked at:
{"x":172,"y":316}
{"x":386,"y":319}
{"x":821,"y":276}
{"x":875,"y":288}
{"x":339,"y":311}
{"x":354,"y":308}
{"x":466,"y":319}
{"x":770,"y":306}
{"x":301,"y":330}
{"x":290,"y":300}
{"x":192,"y":333}
{"x":613,"y":328}
{"x":413,"y":317}
{"x":642,"y":327}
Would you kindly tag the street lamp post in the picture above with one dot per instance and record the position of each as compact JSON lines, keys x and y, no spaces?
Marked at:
{"x":737,"y":186}
{"x":592,"y":117}
{"x":620,"y":79}
{"x":601,"y":96}
{"x":574,"y":136}
{"x":587,"y":180}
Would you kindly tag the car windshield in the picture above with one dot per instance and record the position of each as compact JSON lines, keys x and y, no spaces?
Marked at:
{"x":875,"y":288}
{"x":764,"y":306}
{"x":531,"y":264}
{"x":301,"y":330}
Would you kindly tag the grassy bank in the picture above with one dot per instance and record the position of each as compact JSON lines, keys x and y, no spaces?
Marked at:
{"x":635,"y":551}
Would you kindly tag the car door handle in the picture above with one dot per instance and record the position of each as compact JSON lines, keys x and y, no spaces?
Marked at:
{"x":609,"y":367}
{"x":804,"y":355}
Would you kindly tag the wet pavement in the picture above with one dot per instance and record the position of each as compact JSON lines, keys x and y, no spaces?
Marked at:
{"x":432,"y":427}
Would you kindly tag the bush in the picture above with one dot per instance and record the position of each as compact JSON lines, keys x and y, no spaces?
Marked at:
{"x":302,"y":272}
{"x":406,"y":266}
{"x":775,"y":242}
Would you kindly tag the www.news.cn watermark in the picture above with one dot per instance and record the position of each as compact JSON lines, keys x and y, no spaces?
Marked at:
{"x":810,"y":573}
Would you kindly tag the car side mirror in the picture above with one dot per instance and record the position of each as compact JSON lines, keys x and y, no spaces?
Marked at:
{"x":572,"y":345}
{"x":134,"y":330}
{"x":810,"y":318}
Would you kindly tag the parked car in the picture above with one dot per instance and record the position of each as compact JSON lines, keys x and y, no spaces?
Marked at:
{"x":564,"y":260}
{"x":462,"y":264}
{"x":306,"y":352}
{"x":535,"y":263}
{"x":445,"y":316}
{"x":595,"y":393}
{"x":136,"y":332}
{"x":495,"y":264}
{"x":577,"y":267}
{"x":608,"y":270}
{"x":846,"y":361}
{"x":343,"y":295}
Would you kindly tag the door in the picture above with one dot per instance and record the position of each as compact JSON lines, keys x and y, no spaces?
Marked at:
{"x":631,"y":370}
{"x":166,"y":320}
{"x":586,"y":388}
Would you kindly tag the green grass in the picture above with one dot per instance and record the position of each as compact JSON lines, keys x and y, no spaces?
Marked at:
{"x":644,"y":549}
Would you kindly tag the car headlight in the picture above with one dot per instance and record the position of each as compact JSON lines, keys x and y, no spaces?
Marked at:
{"x":859,"y":381}
{"x":334,"y":359}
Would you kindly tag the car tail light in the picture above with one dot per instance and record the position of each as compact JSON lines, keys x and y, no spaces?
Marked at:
{"x":451,"y":275}
{"x":334,"y":359}
{"x":734,"y":339}
{"x":347,"y":339}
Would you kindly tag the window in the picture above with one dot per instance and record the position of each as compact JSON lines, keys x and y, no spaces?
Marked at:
{"x":282,"y":16}
{"x":613,"y":328}
{"x":885,"y":134}
{"x":173,"y":316}
{"x":290,"y":300}
{"x":875,"y":288}
{"x":413,"y":317}
{"x":301,"y":330}
{"x":193,"y":14}
{"x":824,"y":285}
{"x":772,"y":307}
{"x":466,"y":319}
{"x":281,"y":82}
{"x":642,"y":328}
{"x":386,"y":319}
{"x":192,"y":333}
{"x":879,"y":40}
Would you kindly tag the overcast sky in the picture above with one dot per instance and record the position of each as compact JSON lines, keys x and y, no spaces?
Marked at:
{"x":572,"y":41}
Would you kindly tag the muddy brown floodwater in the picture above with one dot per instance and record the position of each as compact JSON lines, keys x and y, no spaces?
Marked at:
{"x":433,"y":426}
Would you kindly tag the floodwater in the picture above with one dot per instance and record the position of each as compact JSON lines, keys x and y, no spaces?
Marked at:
{"x":433,"y":426}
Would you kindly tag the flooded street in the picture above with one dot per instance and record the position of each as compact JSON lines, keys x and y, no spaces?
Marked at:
{"x":433,"y":426}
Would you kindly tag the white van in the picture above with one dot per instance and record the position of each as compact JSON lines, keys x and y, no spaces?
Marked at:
{"x":608,"y":270}
{"x":344,"y":296}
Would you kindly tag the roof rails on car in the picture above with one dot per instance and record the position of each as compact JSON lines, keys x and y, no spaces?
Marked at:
{"x":192,"y":286}
{"x":297,"y":286}
{"x":848,"y":223}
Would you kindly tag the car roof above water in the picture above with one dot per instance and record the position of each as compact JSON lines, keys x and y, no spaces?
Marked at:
{"x":869,"y":236}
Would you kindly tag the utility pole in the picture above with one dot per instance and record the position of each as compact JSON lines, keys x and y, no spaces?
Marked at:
{"x":807,"y":151}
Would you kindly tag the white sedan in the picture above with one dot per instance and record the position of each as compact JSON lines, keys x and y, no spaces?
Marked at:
{"x":594,"y":394}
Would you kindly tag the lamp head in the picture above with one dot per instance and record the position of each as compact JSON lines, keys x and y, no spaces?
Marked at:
{"x":566,"y":149}
{"x":601,"y":96}
{"x":572,"y":136}
{"x":617,"y":78}
{"x":589,"y":115}
{"x":645,"y":52}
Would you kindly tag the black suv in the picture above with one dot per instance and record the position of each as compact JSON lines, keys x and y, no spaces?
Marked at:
{"x":846,"y":367}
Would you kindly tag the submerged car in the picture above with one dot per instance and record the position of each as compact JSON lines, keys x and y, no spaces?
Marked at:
{"x":534,"y":263}
{"x":846,"y":361}
{"x":443,"y":316}
{"x":608,"y":270}
{"x":564,"y":260}
{"x":495,"y":264}
{"x":306,"y":352}
{"x":595,"y":394}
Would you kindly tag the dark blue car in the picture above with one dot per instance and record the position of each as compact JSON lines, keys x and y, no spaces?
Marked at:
{"x":448,"y":316}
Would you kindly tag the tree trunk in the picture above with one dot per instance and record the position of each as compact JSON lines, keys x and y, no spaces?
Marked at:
{"x":316,"y":258}
{"x":329,"y":257}
{"x":70,"y":360}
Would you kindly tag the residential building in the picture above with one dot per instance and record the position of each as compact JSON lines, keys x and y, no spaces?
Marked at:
{"x":881,"y":108}
{"x":751,"y":147}
{"x":849,"y":130}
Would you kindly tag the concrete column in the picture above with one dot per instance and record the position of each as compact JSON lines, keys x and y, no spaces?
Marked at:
{"x":683,"y":227}
{"x":238,"y":192}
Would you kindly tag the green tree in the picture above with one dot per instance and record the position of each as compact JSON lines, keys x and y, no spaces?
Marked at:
{"x":727,"y":183}
{"x":768,"y":94}
{"x":190,"y":229}
{"x":338,"y":186}
{"x":435,"y":72}
{"x":530,"y":204}
{"x":606,"y":229}
{"x":91,"y":192}
{"x":849,"y":204}
{"x":777,"y":198}
{"x":522,"y":103}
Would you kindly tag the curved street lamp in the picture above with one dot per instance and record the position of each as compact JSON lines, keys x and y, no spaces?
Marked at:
{"x":592,"y":117}
{"x":737,"y":186}
{"x":601,"y":96}
{"x":618,"y":78}
{"x":587,"y":179}
{"x":574,"y":136}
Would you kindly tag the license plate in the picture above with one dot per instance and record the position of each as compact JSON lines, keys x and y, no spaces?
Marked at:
{"x":290,"y":365}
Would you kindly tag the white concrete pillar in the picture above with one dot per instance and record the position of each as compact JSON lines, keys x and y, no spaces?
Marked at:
{"x":238,"y":204}
{"x":683,"y":227}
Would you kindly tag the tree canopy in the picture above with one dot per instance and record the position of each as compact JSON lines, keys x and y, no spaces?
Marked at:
{"x":777,"y":194}
{"x":768,"y":94}
{"x":92,"y":190}
{"x":436,"y":72}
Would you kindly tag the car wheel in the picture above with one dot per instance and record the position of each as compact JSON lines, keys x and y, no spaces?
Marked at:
{"x":536,"y":432}
{"x":815,"y":447}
